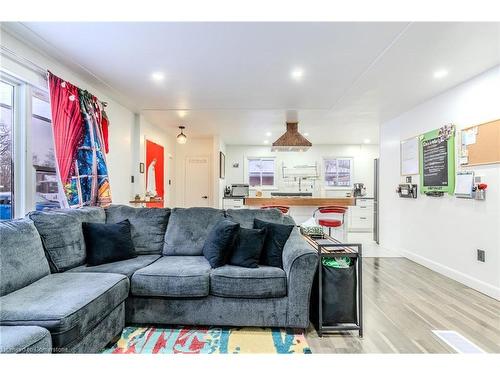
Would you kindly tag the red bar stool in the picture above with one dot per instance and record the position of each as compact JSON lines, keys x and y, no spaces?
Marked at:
{"x":283,"y":209}
{"x":326,"y":220}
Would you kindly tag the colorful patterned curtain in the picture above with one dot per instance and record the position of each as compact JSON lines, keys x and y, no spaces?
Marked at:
{"x":79,"y":143}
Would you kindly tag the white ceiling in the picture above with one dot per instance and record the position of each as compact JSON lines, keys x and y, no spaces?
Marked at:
{"x":233,"y":79}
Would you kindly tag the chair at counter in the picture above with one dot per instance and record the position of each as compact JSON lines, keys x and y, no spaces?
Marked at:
{"x":331,"y":217}
{"x":283,"y":209}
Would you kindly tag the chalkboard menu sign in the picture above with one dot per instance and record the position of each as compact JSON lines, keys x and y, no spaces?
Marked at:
{"x":437,"y":160}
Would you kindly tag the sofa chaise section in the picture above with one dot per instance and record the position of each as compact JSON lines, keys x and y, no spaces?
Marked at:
{"x":69,"y":305}
{"x":82,"y":311}
{"x":25,"y":339}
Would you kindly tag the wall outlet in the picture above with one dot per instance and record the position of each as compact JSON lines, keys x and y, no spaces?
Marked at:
{"x":481,"y":256}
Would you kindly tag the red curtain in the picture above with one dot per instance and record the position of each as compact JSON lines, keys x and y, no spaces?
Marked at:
{"x":105,"y":130}
{"x":67,"y":124}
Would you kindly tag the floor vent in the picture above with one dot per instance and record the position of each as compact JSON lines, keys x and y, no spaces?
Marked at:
{"x":458,"y":342}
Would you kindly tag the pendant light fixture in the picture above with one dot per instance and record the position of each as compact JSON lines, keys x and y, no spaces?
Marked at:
{"x":181,"y":138}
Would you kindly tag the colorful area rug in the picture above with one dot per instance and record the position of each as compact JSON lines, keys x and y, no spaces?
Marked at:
{"x":211,"y":340}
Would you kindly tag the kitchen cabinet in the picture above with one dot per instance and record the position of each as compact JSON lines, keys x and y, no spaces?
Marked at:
{"x":233,"y":203}
{"x":361,"y":215}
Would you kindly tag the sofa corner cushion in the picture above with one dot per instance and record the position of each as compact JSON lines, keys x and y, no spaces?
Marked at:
{"x":62,"y":235}
{"x":173,"y":276}
{"x":25,"y":339}
{"x":245,"y":217}
{"x":240,"y":282}
{"x":22,"y":259}
{"x":123,"y":267}
{"x":148,"y":226}
{"x":68,"y":304}
{"x":188,"y":229}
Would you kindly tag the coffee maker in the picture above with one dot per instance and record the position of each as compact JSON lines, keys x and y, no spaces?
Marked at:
{"x":359,"y":190}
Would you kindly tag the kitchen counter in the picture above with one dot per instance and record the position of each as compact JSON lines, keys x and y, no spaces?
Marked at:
{"x":300,"y":201}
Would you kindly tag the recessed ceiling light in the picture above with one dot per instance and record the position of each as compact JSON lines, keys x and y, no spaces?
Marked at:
{"x":266,"y":141}
{"x":158,"y":76}
{"x":306,"y":134}
{"x":268,"y":134}
{"x":366,"y":141}
{"x":297,"y":74}
{"x":440,"y":73}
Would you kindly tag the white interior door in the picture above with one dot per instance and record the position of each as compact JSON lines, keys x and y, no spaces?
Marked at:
{"x":197,"y":182}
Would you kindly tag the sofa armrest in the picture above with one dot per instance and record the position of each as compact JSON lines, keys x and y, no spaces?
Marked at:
{"x":300,"y":262}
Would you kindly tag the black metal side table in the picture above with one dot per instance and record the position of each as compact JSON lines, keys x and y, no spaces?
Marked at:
{"x":329,"y":247}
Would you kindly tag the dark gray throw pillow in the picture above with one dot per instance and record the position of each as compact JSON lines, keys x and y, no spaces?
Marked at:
{"x":276,"y":237}
{"x":108,"y":243}
{"x":248,"y":247}
{"x":219,"y":242}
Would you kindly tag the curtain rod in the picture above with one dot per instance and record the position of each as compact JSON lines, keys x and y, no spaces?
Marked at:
{"x":30,"y":65}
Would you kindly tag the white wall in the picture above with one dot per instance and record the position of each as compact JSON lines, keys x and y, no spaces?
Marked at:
{"x":362,"y":155}
{"x":121,"y":119}
{"x":219,"y":183}
{"x":444,"y":233}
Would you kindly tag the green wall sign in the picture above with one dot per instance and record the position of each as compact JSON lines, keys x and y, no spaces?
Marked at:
{"x":437,"y":160}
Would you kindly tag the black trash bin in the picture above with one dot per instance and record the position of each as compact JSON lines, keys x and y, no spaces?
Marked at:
{"x":339,"y":295}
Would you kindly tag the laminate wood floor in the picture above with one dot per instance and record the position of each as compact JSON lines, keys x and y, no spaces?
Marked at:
{"x":404,"y":302}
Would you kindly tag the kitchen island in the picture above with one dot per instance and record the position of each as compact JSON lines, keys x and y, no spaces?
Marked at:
{"x":301,"y":208}
{"x":299,"y":201}
{"x":359,"y":216}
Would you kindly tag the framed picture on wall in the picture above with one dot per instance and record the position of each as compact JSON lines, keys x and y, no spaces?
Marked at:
{"x":222,"y":165}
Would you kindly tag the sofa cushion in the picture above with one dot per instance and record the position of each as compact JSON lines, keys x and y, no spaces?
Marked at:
{"x":276,"y":237}
{"x":22,"y":260}
{"x":68,"y":304}
{"x":173,"y":276}
{"x":106,"y":243}
{"x":188,"y":229}
{"x":123,"y":267}
{"x":240,"y":282}
{"x":24,"y":339}
{"x":245,"y":217}
{"x":147,"y":226}
{"x":62,"y":236}
{"x":219,"y":243}
{"x":248,"y":247}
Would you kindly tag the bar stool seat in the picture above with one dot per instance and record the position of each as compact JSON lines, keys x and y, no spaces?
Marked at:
{"x":330,"y":223}
{"x":283,"y":209}
{"x":327,"y":221}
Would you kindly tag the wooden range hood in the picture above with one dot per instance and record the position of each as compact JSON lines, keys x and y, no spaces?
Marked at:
{"x":292,"y":140}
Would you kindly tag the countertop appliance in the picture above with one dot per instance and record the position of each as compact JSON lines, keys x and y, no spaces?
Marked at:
{"x":240,"y":190}
{"x":359,"y":190}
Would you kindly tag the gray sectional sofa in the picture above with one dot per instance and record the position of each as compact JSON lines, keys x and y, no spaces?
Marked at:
{"x":47,"y":287}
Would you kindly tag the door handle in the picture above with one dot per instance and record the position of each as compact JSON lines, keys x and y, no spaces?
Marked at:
{"x":205,"y":197}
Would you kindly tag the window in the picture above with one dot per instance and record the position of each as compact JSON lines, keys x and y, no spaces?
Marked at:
{"x":6,"y":151}
{"x":261,"y":172}
{"x":42,"y":153}
{"x":338,"y":172}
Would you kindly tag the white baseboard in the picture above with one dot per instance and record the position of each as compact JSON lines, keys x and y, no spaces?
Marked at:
{"x":471,"y":282}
